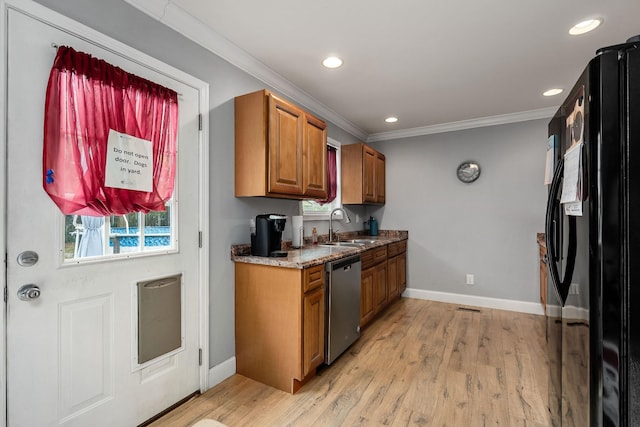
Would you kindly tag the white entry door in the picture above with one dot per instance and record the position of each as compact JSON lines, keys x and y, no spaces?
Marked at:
{"x":72,"y":352}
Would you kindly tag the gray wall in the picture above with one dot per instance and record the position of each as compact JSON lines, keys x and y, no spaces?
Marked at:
{"x":487,"y":228}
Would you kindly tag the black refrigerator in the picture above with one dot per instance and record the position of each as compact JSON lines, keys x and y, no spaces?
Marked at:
{"x":593,"y":245}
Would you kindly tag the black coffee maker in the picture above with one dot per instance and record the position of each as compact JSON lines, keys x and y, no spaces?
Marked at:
{"x":268,"y":237}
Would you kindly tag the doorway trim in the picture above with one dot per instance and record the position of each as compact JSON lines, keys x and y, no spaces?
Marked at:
{"x":92,"y":36}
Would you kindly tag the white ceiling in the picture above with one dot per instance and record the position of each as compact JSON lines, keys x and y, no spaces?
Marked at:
{"x":428,"y":62}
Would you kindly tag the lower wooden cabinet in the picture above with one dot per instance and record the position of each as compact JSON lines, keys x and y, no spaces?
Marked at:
{"x":397,"y":266}
{"x":380,"y":287}
{"x":392,"y":279}
{"x":402,"y":272}
{"x":543,"y":277}
{"x":279,"y":321}
{"x":313,"y":337}
{"x":383,"y":279}
{"x":373,"y":283}
{"x":367,"y":310}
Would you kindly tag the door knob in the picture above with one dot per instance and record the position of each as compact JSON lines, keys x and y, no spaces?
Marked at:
{"x":28,"y":292}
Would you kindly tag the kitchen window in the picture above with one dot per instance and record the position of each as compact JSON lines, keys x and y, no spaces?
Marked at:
{"x":313,"y":210}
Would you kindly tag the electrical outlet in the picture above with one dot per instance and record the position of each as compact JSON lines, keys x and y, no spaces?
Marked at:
{"x":470,"y":279}
{"x":357,"y":219}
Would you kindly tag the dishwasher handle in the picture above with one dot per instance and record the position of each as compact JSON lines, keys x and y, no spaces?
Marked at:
{"x":344,"y":264}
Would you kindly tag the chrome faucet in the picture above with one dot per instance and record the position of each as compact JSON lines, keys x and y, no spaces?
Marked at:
{"x":348,"y":220}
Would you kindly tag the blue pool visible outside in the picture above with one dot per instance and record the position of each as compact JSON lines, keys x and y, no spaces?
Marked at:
{"x":153,"y":236}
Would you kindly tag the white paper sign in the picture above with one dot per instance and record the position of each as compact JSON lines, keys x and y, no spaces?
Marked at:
{"x":572,"y":181}
{"x":129,"y":162}
{"x":573,"y":209}
{"x":549,"y":164}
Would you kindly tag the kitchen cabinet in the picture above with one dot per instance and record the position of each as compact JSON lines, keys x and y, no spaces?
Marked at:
{"x":392,"y":278}
{"x":367,"y":311}
{"x":380,"y":287}
{"x":279,"y":322}
{"x":373,"y":283}
{"x":363,"y":175}
{"x":543,"y":275}
{"x":280,"y":149}
{"x":313,"y":319}
{"x":379,"y":172}
{"x":383,"y":279}
{"x":314,"y":153}
{"x":402,"y":272}
{"x":397,"y":269}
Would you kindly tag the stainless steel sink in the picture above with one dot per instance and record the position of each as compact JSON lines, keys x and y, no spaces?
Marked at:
{"x":352,"y":244}
{"x":359,"y":241}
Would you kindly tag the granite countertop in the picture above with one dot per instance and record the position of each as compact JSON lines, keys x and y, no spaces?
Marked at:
{"x":311,"y":255}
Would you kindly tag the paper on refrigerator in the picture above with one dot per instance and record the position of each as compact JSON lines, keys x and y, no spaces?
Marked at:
{"x":572,"y":184}
{"x":549,"y":164}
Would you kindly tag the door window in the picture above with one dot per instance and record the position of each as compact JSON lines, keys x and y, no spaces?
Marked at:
{"x":91,"y":238}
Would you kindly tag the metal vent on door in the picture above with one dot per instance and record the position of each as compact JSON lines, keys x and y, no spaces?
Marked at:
{"x":159,"y":317}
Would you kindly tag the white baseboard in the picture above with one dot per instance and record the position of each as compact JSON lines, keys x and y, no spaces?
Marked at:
{"x":222,"y":371}
{"x":570,"y":312}
{"x":485,"y":302}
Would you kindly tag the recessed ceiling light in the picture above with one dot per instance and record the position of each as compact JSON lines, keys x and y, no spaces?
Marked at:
{"x":552,"y":92}
{"x":332,"y":62}
{"x":585,"y":26}
{"x":391,"y":119}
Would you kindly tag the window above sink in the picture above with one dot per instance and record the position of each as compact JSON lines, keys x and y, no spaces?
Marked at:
{"x":314,"y":211}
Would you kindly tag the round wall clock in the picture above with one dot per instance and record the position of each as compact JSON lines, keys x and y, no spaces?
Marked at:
{"x":468,"y":171}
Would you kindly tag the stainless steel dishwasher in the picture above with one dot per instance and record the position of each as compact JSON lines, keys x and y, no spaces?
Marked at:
{"x":342,"y":325}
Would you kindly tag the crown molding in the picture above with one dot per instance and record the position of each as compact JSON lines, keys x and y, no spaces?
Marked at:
{"x":177,"y":19}
{"x":542,"y":113}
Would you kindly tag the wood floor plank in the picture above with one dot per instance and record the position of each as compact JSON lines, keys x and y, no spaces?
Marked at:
{"x":465,"y":346}
{"x":525,"y":396}
{"x":490,"y":407}
{"x":490,"y":350}
{"x":454,"y":400}
{"x":419,"y":363}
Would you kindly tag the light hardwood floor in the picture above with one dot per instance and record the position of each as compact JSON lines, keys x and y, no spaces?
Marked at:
{"x":420,"y":363}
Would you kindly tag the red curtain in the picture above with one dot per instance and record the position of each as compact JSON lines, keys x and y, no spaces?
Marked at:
{"x":86,"y":97}
{"x":332,"y":176}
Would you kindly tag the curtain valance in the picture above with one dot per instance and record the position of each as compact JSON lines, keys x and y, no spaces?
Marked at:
{"x":103,"y":122}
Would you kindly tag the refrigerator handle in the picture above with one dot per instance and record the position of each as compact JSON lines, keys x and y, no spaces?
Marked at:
{"x":553,"y":206}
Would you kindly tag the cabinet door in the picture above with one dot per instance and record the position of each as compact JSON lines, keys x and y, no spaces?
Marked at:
{"x":392,"y":278}
{"x":380,"y":287}
{"x":366,"y":295}
{"x":314,"y":152}
{"x":380,"y":178}
{"x":286,"y":124}
{"x":402,"y":272}
{"x":368,"y":174}
{"x":543,"y":279}
{"x":313,"y":327}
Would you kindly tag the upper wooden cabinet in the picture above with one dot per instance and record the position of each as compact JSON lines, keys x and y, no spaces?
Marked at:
{"x":314,"y":154}
{"x":280,"y":150}
{"x":363,"y":175}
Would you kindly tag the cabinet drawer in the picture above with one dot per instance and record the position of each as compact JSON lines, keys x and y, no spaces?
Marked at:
{"x":313,"y":278}
{"x":379,"y":255}
{"x":397,"y":248}
{"x":367,"y":259}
